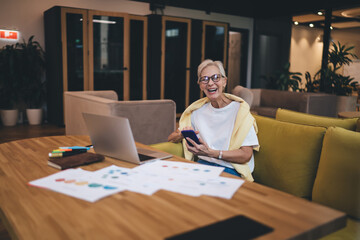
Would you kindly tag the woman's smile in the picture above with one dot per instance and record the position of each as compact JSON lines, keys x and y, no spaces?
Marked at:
{"x":212,"y":90}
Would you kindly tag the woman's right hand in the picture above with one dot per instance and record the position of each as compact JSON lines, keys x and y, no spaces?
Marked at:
{"x":176,"y":136}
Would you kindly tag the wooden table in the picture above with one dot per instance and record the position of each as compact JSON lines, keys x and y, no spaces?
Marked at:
{"x":33,"y":213}
{"x":351,"y":114}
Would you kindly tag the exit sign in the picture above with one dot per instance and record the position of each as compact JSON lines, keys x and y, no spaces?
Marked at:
{"x":9,"y":35}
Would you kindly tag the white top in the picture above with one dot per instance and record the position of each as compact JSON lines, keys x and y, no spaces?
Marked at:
{"x":215,"y":126}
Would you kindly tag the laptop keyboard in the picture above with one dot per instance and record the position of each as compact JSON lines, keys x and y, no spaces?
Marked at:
{"x":144,"y":157}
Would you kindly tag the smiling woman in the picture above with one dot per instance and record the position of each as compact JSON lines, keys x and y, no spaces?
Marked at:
{"x":214,"y":71}
{"x":223,"y":123}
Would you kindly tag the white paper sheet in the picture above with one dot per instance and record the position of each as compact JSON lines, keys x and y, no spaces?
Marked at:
{"x":185,"y":178}
{"x":172,"y":168}
{"x":222,"y":187}
{"x":127,"y":178}
{"x":78,"y":183}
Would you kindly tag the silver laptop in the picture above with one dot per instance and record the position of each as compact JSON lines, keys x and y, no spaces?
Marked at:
{"x":112,"y":136}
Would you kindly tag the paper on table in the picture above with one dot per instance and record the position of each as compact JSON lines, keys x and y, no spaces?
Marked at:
{"x":217,"y":187}
{"x":186,"y":178}
{"x":191,"y":179}
{"x":222,"y":187}
{"x":145,"y":182}
{"x":172,"y":168}
{"x":127,"y":178}
{"x":77,"y":183}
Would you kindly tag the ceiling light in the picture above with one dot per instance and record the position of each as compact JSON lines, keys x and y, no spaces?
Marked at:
{"x":352,"y":13}
{"x":311,"y":25}
{"x":103,"y":21}
{"x":296,"y":23}
{"x":319,"y":13}
{"x":331,"y":28}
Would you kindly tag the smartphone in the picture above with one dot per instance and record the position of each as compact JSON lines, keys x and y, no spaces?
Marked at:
{"x":190,"y":134}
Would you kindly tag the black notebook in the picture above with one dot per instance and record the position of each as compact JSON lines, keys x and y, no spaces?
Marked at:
{"x":238,"y":227}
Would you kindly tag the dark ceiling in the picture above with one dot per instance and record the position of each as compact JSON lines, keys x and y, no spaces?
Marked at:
{"x":255,"y":8}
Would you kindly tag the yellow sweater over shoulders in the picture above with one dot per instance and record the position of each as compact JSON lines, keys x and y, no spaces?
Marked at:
{"x":244,"y":121}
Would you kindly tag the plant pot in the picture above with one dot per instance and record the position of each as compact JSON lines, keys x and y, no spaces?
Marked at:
{"x":34,"y":116}
{"x":9,"y":117}
{"x":345,"y":103}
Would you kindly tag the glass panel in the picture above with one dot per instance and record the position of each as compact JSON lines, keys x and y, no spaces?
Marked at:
{"x":214,"y":42}
{"x":74,"y":33}
{"x":175,"y":63}
{"x":136,"y":59}
{"x":269,"y":50}
{"x":108,"y":35}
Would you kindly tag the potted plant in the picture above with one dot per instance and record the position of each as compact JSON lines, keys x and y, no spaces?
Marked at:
{"x":336,"y":83}
{"x":311,"y":85}
{"x":338,"y":57}
{"x":32,"y":69}
{"x":283,"y":80}
{"x":9,"y":84}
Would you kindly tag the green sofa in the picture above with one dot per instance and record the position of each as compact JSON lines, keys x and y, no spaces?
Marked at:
{"x":309,"y":156}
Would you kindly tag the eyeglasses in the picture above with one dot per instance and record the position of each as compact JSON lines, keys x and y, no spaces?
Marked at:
{"x":206,"y":79}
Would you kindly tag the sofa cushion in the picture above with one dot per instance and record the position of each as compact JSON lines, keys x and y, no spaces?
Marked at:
{"x":288,"y":156}
{"x":169,"y":147}
{"x":351,"y":231}
{"x":314,"y":120}
{"x":337,"y":182}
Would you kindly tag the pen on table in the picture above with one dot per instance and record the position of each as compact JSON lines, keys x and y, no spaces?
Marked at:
{"x":77,"y":147}
{"x":62,"y":150}
{"x":69,"y":150}
{"x":69,"y":153}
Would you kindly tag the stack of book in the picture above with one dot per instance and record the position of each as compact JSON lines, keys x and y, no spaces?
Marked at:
{"x":69,"y":157}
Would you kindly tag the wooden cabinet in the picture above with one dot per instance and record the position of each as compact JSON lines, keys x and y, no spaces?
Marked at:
{"x":140,"y":57}
{"x":176,"y":48}
{"x":214,"y":42}
{"x":170,"y":44}
{"x":94,"y":50}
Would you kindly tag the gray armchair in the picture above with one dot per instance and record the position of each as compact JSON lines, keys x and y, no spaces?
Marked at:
{"x":244,"y":93}
{"x":151,"y":121}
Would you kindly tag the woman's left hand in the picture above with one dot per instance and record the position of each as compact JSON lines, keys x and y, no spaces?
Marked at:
{"x":201,"y":149}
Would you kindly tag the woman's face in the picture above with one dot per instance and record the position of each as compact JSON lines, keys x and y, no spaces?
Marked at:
{"x":212,"y":89}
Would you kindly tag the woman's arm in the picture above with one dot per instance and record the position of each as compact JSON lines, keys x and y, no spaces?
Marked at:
{"x":241,"y":155}
{"x":175,"y":136}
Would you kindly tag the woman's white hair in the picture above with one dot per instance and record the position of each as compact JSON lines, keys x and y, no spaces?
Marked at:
{"x":209,"y":62}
